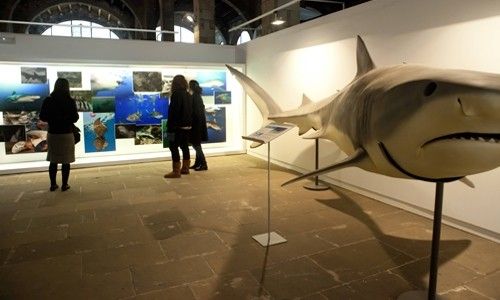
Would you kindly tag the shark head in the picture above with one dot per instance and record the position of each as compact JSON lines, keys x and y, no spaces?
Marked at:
{"x":430,"y":124}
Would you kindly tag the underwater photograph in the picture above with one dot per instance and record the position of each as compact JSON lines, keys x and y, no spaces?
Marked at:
{"x":222,"y":97}
{"x":147,"y":82}
{"x":148,"y":134}
{"x":124,"y":131}
{"x":216,"y":124}
{"x":83,"y":100}
{"x":211,"y":81}
{"x":33,"y":75}
{"x":28,"y":97}
{"x":98,"y":132}
{"x":103,"y":104}
{"x":74,"y":78}
{"x":141,"y":109}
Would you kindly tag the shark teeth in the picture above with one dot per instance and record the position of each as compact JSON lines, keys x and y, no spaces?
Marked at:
{"x":491,"y":138}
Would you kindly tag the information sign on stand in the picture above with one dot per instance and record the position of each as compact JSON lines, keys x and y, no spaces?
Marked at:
{"x":265,"y":135}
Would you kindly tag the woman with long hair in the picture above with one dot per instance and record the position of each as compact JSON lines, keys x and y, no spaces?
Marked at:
{"x":199,"y":129}
{"x":59,"y":111}
{"x":179,"y":122}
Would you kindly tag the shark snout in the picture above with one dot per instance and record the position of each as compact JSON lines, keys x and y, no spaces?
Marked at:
{"x":485,"y":104}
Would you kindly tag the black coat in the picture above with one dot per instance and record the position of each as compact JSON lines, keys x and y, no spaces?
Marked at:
{"x":180,"y":111}
{"x":199,"y":129}
{"x":60,"y":112}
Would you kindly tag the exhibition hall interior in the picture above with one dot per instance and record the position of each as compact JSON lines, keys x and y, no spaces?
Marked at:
{"x":352,"y":150}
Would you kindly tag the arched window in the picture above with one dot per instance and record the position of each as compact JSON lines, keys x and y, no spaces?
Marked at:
{"x":182,"y":34}
{"x":244,"y":37}
{"x":79,"y":31}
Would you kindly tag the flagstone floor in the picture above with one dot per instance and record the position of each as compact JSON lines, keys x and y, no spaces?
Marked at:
{"x":124,"y":232}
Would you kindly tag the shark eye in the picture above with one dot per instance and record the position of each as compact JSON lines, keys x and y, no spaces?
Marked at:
{"x":430,"y":89}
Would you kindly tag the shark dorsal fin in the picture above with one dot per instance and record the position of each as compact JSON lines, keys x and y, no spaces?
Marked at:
{"x":365,"y":63}
{"x":354,"y":160}
{"x":305,"y":100}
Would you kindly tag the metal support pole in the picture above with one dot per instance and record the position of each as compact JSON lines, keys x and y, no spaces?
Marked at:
{"x":316,"y":186}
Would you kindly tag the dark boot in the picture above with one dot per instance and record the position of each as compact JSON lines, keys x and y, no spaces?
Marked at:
{"x":202,"y":167}
{"x":176,"y":170}
{"x":185,"y":166}
{"x":196,"y":164}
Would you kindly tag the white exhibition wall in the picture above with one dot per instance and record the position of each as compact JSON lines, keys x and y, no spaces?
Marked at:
{"x":109,"y":68}
{"x":318,"y":58}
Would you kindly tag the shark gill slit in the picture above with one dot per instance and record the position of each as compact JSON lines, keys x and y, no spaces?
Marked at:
{"x":394,"y":163}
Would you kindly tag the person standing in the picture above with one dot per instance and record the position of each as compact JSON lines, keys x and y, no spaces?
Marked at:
{"x":179,"y":122}
{"x":199,"y":129}
{"x":59,"y":111}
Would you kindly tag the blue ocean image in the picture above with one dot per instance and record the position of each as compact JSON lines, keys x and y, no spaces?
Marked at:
{"x":216,"y":124}
{"x":141,"y":109}
{"x":112,"y":84}
{"x":23,"y":96}
{"x":99,"y":132}
{"x":211,"y":81}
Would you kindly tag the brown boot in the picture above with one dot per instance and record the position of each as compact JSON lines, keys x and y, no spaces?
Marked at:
{"x":185,"y":166}
{"x":176,"y":170}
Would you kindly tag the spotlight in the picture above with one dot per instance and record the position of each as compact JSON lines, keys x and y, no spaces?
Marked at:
{"x":277,"y":20}
{"x":190,"y":18}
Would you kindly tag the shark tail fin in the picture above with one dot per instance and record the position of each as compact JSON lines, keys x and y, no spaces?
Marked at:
{"x":353,"y":160}
{"x":265,"y":103}
{"x":363,"y":59}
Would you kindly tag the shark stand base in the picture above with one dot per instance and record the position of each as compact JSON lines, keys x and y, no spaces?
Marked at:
{"x":269,"y":238}
{"x":316,"y":186}
{"x":436,"y":237}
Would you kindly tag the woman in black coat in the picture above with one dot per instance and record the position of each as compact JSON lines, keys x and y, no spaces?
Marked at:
{"x":59,"y":110}
{"x":199,"y":129}
{"x":180,"y":117}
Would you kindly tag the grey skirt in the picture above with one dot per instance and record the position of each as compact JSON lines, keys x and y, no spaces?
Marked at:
{"x":61,"y":148}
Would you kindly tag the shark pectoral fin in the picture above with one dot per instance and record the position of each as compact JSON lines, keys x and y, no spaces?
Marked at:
{"x":363,"y":59}
{"x":255,"y":144}
{"x":353,"y":160}
{"x":314,"y":135}
{"x":467,"y":182}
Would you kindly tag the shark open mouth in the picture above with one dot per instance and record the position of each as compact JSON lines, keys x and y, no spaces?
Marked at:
{"x":395,"y":164}
{"x":492,"y":138}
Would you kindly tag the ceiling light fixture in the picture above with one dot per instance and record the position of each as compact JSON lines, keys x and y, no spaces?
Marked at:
{"x":277,"y":21}
{"x":190,"y":18}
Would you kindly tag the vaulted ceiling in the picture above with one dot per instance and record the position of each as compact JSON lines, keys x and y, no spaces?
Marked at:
{"x":145,"y":14}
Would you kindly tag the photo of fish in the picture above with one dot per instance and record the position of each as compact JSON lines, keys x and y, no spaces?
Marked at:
{"x":111,"y":82}
{"x":125,"y":131}
{"x":103,"y":104}
{"x":28,"y":97}
{"x":211,"y":81}
{"x":147,"y":82}
{"x":216,"y":124}
{"x":222,"y":97}
{"x":141,"y":109}
{"x":36,"y":141}
{"x":167,"y":84}
{"x":164,"y":133}
{"x":33,"y":75}
{"x":148,"y":134}
{"x":12,"y":133}
{"x":20,"y":117}
{"x":83,"y":100}
{"x":98,"y":132}
{"x":74,"y":78}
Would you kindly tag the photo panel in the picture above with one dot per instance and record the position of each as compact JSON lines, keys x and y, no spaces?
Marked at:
{"x":152,"y":109}
{"x":74,"y":78}
{"x":148,"y":134}
{"x":17,"y":97}
{"x":222,"y":97}
{"x":216,"y":124}
{"x":103,"y":104}
{"x":126,"y":110}
{"x":33,"y":75}
{"x":211,"y":81}
{"x":111,"y":82}
{"x":83,"y":100}
{"x":164,"y":133}
{"x":99,"y":132}
{"x":125,"y":131}
{"x":14,"y":137}
{"x":147,"y":82}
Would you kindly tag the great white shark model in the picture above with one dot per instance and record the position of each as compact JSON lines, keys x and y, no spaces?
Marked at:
{"x":404,"y":121}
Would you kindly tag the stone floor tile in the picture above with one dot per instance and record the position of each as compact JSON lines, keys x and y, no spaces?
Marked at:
{"x":237,"y":259}
{"x":33,"y":235}
{"x":359,"y":260}
{"x":294,"y":278}
{"x":463,"y":293}
{"x":235,"y":286}
{"x":189,"y":245}
{"x":151,"y":277}
{"x":115,"y":259}
{"x":488,"y":285}
{"x":86,"y":216}
{"x":180,"y":293}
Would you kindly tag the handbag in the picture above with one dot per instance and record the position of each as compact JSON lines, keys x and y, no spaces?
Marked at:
{"x":76,"y":134}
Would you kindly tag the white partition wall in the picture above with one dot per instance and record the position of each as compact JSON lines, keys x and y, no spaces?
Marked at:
{"x":122,"y":91}
{"x":317,"y":58}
